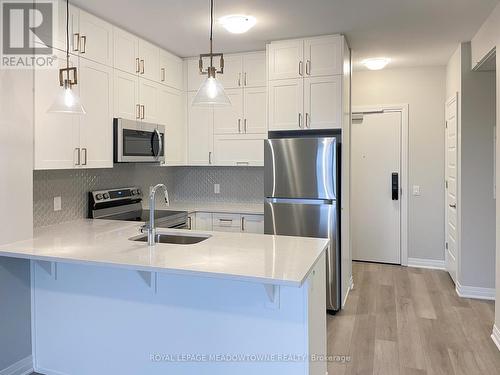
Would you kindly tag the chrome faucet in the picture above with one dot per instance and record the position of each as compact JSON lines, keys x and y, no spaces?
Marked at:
{"x":152,"y":203}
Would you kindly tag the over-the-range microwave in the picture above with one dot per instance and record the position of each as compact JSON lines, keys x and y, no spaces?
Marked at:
{"x":138,"y":142}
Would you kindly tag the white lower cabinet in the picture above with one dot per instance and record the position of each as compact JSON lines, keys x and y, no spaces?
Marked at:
{"x":226,"y":222}
{"x":252,"y":223}
{"x":203,"y":221}
{"x":239,"y":150}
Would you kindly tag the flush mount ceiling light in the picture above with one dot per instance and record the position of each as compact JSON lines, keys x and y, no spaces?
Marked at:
{"x":237,"y":23}
{"x":211,"y":92}
{"x":377,"y":63}
{"x":67,"y":100}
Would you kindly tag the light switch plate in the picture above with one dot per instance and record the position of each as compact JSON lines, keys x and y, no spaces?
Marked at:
{"x":57,"y":203}
{"x":416,"y":190}
{"x":217,"y":188}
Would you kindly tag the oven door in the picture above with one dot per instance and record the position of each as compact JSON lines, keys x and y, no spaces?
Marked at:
{"x":138,"y":142}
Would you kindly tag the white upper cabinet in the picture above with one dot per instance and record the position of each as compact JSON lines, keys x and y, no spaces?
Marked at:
{"x":286,"y":59}
{"x":323,"y":56}
{"x":254,"y":69}
{"x":200,"y":133}
{"x":194,"y":78}
{"x":286,"y":104}
{"x":126,"y":51}
{"x":323,"y":102}
{"x":96,"y":131}
{"x":94,"y":39}
{"x":233,"y":76}
{"x":255,"y":113}
{"x":149,"y":61}
{"x":148,"y":101}
{"x":239,"y":150}
{"x":171,"y":105}
{"x":229,"y":119}
{"x":126,"y":96}
{"x":170,"y":70}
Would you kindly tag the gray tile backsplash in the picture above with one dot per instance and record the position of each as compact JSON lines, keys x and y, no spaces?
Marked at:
{"x":191,"y":184}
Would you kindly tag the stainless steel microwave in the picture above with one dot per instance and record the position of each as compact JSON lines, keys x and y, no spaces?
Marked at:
{"x":138,"y":142}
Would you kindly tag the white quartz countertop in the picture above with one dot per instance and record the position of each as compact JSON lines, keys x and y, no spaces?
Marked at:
{"x":276,"y":260}
{"x":226,"y":208}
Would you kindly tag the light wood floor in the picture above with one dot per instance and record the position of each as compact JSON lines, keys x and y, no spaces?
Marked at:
{"x":402,"y":320}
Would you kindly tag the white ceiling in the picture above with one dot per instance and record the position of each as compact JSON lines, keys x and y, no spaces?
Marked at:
{"x":410,"y":32}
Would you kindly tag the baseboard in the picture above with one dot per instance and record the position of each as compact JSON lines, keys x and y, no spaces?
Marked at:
{"x":475,"y":292}
{"x":351,"y":286}
{"x":427,"y":263}
{"x":22,"y":367}
{"x":495,"y":336}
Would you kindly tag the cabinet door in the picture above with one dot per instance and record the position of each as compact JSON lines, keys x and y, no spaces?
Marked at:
{"x":148,"y":99}
{"x":58,"y":36}
{"x":239,"y":150}
{"x":126,"y":95}
{"x":252,"y":224}
{"x":170,"y":70}
{"x":126,"y":50}
{"x":286,"y":59}
{"x":96,"y":127}
{"x":323,"y":102}
{"x":96,"y":39}
{"x":56,"y":134}
{"x":204,"y":221}
{"x":254,"y":69}
{"x":229,"y":119}
{"x":200,"y":133}
{"x":226,"y":222}
{"x":255,"y":104}
{"x":233,"y":66}
{"x":171,"y":105}
{"x":286,"y":104}
{"x":323,"y":56}
{"x":149,"y":56}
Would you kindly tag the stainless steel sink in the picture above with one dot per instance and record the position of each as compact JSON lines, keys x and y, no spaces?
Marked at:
{"x":177,"y":239}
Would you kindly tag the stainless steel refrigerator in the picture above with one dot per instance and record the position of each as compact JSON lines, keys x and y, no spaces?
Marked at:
{"x":301,"y":183}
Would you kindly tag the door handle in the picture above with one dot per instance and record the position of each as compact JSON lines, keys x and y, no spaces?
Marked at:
{"x":453,"y":205}
{"x":83,"y":43}
{"x":395,"y":186}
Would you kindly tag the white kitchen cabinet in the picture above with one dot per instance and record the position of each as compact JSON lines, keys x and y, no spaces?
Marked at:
{"x":126,"y":95}
{"x":170,"y":70}
{"x":171,"y":105}
{"x":323,"y":102}
{"x":203,"y":221}
{"x":194,"y":78}
{"x":233,"y":76}
{"x":239,"y":150}
{"x":286,"y":104}
{"x":226,"y":222}
{"x":200,"y":133}
{"x":254,"y":69}
{"x":148,"y":100}
{"x":96,"y":130}
{"x":149,"y":61}
{"x":252,"y":224}
{"x":94,"y":38}
{"x":286,"y":59}
{"x":126,"y":51}
{"x":323,"y":56}
{"x":229,"y":119}
{"x":255,"y":110}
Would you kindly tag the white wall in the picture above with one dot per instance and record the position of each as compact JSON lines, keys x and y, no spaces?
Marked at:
{"x":424,"y":90}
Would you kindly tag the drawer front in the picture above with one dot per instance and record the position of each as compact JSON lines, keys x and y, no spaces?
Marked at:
{"x":229,"y":222}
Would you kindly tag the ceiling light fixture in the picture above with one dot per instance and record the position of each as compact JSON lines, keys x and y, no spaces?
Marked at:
{"x":237,"y":23}
{"x":376,"y":63}
{"x":211,"y":92}
{"x":67,"y":101}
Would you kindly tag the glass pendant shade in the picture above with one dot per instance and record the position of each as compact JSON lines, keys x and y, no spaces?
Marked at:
{"x":211,"y":93}
{"x":67,"y":101}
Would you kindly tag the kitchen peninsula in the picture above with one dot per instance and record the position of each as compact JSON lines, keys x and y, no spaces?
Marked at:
{"x":242,"y":303}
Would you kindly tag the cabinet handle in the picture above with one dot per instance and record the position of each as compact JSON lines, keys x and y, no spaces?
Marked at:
{"x":242,"y":223}
{"x":242,"y":163}
{"x":210,"y":157}
{"x":78,"y":156}
{"x":83,"y":39}
{"x":84,"y":151}
{"x":308,"y":67}
{"x":76,"y":42}
{"x":300,"y":120}
{"x":143,"y":111}
{"x":137,"y":65}
{"x":308,"y":120}
{"x":245,"y":125}
{"x":142,"y":66}
{"x":138,"y":111}
{"x":190,"y":226}
{"x":239,"y":125}
{"x":163,"y":74}
{"x":245,"y":79}
{"x":239,"y":79}
{"x":301,"y":73}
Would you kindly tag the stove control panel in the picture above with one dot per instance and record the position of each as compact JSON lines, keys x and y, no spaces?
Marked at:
{"x":101,"y":196}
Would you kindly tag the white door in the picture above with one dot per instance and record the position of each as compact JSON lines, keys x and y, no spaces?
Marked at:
{"x":96,"y":127}
{"x":451,"y":188}
{"x":126,"y":95}
{"x":255,"y":102}
{"x":375,"y":212}
{"x":323,"y":56}
{"x":229,"y":119}
{"x":232,"y":77}
{"x":286,"y":104}
{"x":323,"y":102}
{"x":200,"y":133}
{"x":126,"y":50}
{"x":96,"y":39}
{"x":149,"y":58}
{"x":171,"y":104}
{"x":148,"y":99}
{"x":286,"y":59}
{"x":254,"y":69}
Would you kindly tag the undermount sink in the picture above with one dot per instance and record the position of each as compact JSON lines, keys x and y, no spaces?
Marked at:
{"x":177,"y":239}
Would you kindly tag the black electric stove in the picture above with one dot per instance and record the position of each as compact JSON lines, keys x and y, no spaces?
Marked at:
{"x":126,"y":204}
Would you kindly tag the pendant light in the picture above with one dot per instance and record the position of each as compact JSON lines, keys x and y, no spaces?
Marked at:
{"x":211,"y":92}
{"x":67,"y":100}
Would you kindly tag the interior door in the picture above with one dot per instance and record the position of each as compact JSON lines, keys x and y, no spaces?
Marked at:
{"x":451,"y":188}
{"x":375,"y":192}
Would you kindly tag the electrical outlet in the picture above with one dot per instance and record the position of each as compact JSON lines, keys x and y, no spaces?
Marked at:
{"x":57,"y":204}
{"x":217,"y":188}
{"x":416,"y":190}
